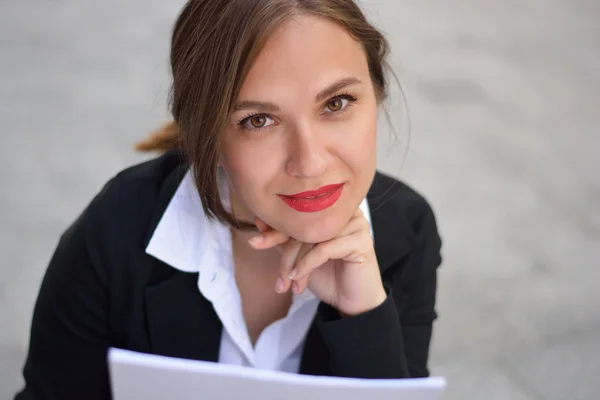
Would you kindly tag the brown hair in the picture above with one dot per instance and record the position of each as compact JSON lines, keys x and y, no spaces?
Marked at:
{"x":214,"y":44}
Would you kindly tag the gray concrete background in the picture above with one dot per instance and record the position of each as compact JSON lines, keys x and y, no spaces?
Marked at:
{"x":504,"y":102}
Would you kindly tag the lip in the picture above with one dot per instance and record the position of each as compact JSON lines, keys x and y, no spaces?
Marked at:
{"x":318,"y":192}
{"x":314,"y":200}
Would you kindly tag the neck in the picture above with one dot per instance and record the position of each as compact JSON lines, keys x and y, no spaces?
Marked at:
{"x":246,"y":256}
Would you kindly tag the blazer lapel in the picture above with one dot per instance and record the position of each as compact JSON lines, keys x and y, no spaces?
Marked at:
{"x":391,"y":235}
{"x":181,"y":322}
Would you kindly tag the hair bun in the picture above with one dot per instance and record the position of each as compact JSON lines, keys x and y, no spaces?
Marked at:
{"x":162,"y":139}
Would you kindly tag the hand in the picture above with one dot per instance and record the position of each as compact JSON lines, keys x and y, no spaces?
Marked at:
{"x":341,"y":272}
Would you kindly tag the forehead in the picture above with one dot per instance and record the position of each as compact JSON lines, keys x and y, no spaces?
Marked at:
{"x":302,"y":56}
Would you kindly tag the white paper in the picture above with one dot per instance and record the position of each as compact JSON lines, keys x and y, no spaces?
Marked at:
{"x":143,"y":376}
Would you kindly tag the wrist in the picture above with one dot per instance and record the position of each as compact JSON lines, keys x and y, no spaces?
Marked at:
{"x":376,"y":300}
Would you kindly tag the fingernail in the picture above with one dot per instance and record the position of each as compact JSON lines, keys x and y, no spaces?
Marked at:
{"x":295,"y":288}
{"x":256,"y":240}
{"x":279,"y":285}
{"x":293,"y":274}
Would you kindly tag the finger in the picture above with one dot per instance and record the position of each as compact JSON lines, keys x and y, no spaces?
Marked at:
{"x":290,"y":253}
{"x":348,"y":248}
{"x":267,"y":237}
{"x":298,"y":286}
{"x":261,"y":225}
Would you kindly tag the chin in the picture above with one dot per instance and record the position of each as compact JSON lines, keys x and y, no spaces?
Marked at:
{"x":319,"y":232}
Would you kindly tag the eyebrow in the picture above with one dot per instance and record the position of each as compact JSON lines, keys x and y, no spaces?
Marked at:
{"x":322,"y":95}
{"x":335,"y":87}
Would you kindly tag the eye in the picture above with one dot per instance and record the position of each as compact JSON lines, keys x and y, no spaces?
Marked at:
{"x":339,"y":103}
{"x":257,"y":121}
{"x":335,"y":104}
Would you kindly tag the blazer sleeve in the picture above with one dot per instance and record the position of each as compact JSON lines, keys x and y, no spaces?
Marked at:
{"x":392,"y":340}
{"x":70,"y":332}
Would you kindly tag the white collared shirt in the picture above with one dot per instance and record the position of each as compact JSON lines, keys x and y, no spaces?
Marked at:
{"x":186,"y":239}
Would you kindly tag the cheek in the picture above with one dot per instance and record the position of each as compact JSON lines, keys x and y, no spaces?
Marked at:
{"x":361,"y":150}
{"x":250,"y":166}
{"x":368,"y":138}
{"x":369,"y":125}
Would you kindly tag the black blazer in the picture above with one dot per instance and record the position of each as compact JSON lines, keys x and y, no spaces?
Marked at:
{"x":101,"y":289}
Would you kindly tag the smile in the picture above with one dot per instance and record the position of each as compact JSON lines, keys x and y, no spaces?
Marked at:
{"x":314,"y":200}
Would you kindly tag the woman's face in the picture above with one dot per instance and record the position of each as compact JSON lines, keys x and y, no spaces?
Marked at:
{"x":305,"y":119}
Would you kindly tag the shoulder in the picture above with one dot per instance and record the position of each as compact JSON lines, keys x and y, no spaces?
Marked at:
{"x":148,"y":177}
{"x":394,"y":198}
{"x":122,"y":213}
{"x":138,"y":188}
{"x":385,"y":188}
{"x":403,"y":220}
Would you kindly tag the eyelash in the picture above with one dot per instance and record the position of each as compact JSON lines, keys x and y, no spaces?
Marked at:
{"x":344,"y":96}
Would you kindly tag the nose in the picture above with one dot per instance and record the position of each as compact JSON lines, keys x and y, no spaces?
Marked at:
{"x":307,"y":154}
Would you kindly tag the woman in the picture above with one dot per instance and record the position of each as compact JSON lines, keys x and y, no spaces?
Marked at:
{"x":263,"y":236}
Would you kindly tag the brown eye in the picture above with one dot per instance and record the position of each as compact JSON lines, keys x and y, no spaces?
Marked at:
{"x":335,"y":104}
{"x":258,"y":121}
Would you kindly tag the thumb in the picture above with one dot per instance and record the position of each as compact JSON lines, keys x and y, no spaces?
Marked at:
{"x":267,"y":236}
{"x":260,"y":225}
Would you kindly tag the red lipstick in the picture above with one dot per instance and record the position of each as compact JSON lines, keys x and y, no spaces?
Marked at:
{"x":314,"y":200}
